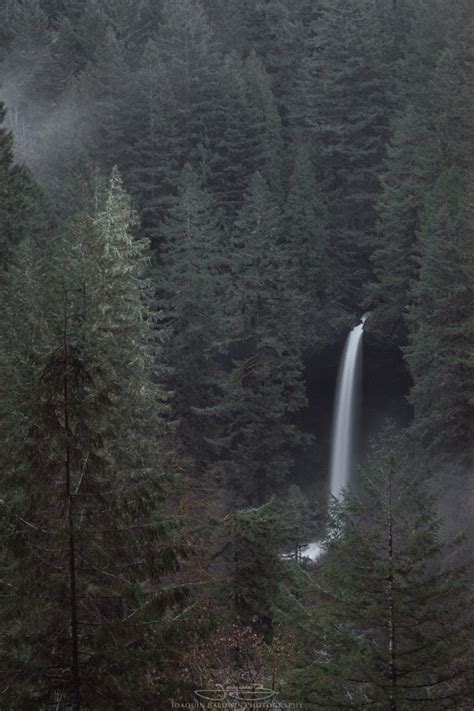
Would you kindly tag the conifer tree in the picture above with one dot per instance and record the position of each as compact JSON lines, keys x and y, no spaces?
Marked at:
{"x":399,"y":208}
{"x":272,"y":34}
{"x":237,"y":152}
{"x":268,"y":121}
{"x":79,"y":32}
{"x":258,"y":534}
{"x":265,"y":387}
{"x":262,"y":584}
{"x":25,"y":68}
{"x":342,"y":105}
{"x":194,"y":286}
{"x":5,"y":30}
{"x":176,"y":109}
{"x":441,"y":322}
{"x":192,"y":59}
{"x":106,"y":86}
{"x":23,"y":208}
{"x":86,"y":538}
{"x":391,"y":626}
{"x":155,"y":165}
{"x":430,"y":137}
{"x":306,"y":233}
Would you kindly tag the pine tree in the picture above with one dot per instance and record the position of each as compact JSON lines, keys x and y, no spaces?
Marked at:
{"x":87,"y":539}
{"x":176,"y":110}
{"x":28,"y":61}
{"x":155,"y":165}
{"x":406,"y":176}
{"x":430,"y":137}
{"x":107,"y":85}
{"x":23,"y":208}
{"x":272,"y":34}
{"x":265,"y":387}
{"x":193,"y":281}
{"x":306,"y":233}
{"x":237,"y":152}
{"x":442,"y":327}
{"x":192,"y":59}
{"x":391,"y":626}
{"x":268,"y":121}
{"x":341,"y":105}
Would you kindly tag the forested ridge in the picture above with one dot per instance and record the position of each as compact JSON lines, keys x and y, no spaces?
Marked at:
{"x":198,"y":199}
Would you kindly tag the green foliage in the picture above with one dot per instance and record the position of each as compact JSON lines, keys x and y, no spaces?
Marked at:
{"x":265,"y":388}
{"x":442,"y":324}
{"x":390,"y":628}
{"x":262,"y":578}
{"x":306,"y":233}
{"x":287,"y":159}
{"x":23,"y":210}
{"x":341,"y":76}
{"x":193,"y":280}
{"x":86,"y":536}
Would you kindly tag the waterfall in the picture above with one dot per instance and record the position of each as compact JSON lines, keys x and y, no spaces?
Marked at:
{"x":342,"y":444}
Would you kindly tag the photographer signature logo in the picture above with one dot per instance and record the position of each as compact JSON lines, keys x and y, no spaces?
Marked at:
{"x":246,"y":694}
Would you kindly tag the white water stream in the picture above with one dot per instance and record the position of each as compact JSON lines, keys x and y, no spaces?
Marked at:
{"x":343,"y":433}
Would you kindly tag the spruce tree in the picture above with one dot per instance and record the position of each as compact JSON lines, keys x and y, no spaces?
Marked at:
{"x":23,"y":209}
{"x":342,"y":104}
{"x":192,"y":58}
{"x":237,"y":152}
{"x":193,"y":283}
{"x":265,"y":387}
{"x":307,"y":238}
{"x":391,"y":625}
{"x":268,"y":121}
{"x":176,"y":109}
{"x":87,"y":541}
{"x":155,"y":165}
{"x":431,"y":136}
{"x":439,"y":353}
{"x":106,"y":85}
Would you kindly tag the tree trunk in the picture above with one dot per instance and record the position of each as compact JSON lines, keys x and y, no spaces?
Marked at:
{"x":76,"y":680}
{"x":391,"y":603}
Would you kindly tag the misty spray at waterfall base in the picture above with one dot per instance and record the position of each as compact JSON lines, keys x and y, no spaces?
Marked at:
{"x":344,"y":424}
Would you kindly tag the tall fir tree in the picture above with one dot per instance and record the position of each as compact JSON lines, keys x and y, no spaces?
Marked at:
{"x":237,"y":152}
{"x":265,"y":387}
{"x":439,"y":353}
{"x":192,"y":59}
{"x":431,"y":136}
{"x":306,"y":235}
{"x":391,"y":627}
{"x":342,"y":105}
{"x":23,"y":209}
{"x":88,"y":541}
{"x":193,"y":282}
{"x":107,"y":86}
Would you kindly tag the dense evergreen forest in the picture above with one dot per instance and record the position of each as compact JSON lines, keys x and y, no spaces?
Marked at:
{"x":198,"y":200}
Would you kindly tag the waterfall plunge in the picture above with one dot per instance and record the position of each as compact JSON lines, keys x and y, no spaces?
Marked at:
{"x":342,"y":444}
{"x":342,"y":447}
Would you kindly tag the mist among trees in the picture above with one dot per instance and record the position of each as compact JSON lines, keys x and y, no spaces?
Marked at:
{"x":198,"y":201}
